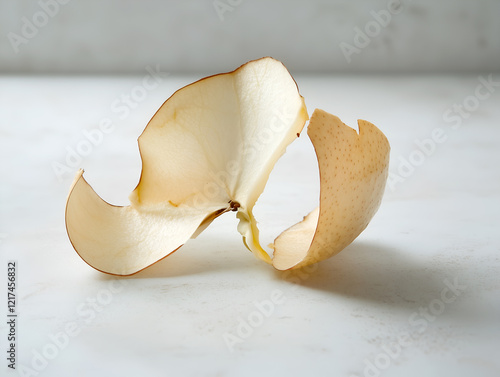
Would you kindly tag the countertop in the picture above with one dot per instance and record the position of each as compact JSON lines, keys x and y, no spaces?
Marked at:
{"x":417,"y":293}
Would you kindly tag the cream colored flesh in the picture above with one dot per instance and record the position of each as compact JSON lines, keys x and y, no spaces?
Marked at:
{"x":124,"y":240}
{"x":209,"y":149}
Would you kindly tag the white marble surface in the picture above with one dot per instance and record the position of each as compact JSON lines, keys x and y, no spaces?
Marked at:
{"x":436,"y":225}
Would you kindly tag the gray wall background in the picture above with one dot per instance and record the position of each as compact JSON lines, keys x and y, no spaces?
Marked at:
{"x":125,"y":36}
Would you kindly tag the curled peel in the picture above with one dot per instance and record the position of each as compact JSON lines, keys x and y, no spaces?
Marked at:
{"x":124,"y":240}
{"x":353,"y":172}
{"x":208,"y":150}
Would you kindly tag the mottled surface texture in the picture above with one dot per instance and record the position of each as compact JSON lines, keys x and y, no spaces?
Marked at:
{"x":353,"y":172}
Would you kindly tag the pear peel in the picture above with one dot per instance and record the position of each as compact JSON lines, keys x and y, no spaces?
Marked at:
{"x":353,"y":172}
{"x":208,"y":150}
{"x":123,"y":240}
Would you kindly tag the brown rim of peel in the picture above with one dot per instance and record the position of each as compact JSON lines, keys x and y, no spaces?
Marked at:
{"x":195,"y":83}
{"x":82,"y":183}
{"x":210,"y":135}
{"x":208,"y":150}
{"x":353,"y":172}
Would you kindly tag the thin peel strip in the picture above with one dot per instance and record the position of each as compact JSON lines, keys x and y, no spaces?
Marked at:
{"x":165,"y":211}
{"x":353,"y":173}
{"x":123,"y":240}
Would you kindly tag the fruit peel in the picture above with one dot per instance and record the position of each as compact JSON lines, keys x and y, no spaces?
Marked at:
{"x":208,"y":135}
{"x":353,"y":172}
{"x":205,"y":152}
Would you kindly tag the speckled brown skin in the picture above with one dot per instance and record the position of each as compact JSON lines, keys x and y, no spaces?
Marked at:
{"x":353,"y":172}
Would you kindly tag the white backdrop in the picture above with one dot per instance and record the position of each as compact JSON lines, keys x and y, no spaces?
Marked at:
{"x":124,"y":36}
